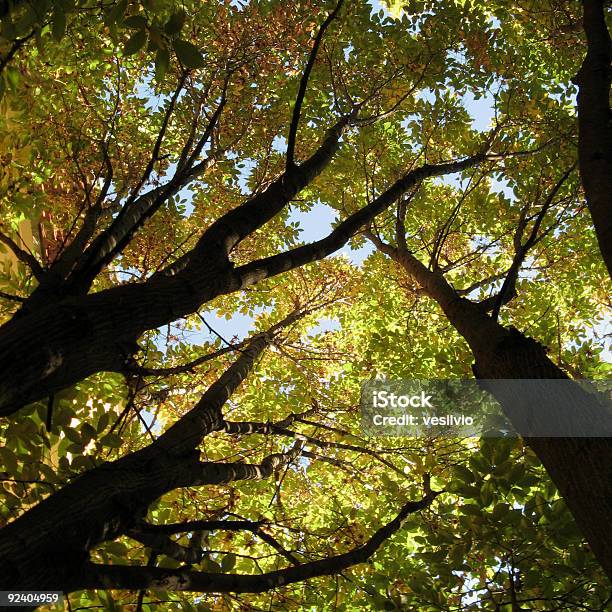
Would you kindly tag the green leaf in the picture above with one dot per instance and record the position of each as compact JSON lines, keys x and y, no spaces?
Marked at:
{"x":42,"y":6}
{"x":24,"y":24}
{"x":467,"y":491}
{"x":112,"y":440}
{"x":500,"y":510}
{"x":59,"y":24}
{"x":502,"y":468}
{"x":486,"y":493}
{"x":162,"y":63}
{"x":470,"y":510}
{"x":135,"y":22}
{"x":48,"y":473}
{"x":116,"y":13}
{"x":8,"y":460}
{"x":12,"y":76}
{"x":479,"y":464}
{"x":502,"y":450}
{"x":211,"y":566}
{"x":487,"y":449}
{"x":75,"y":449}
{"x":72,"y":434}
{"x":156,"y":39}
{"x":103,"y":422}
{"x":116,"y":548}
{"x":135,"y":43}
{"x":188,"y":54}
{"x":228,"y":562}
{"x":175,"y":24}
{"x":463,"y":474}
{"x":88,"y":432}
{"x":516,"y":473}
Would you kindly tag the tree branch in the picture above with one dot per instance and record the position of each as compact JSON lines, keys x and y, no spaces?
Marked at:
{"x":97,"y":576}
{"x":201,"y":525}
{"x":22,"y":255}
{"x":160,"y":138}
{"x":210,"y":472}
{"x":65,"y":262}
{"x":273,"y":428}
{"x":508,"y":287}
{"x":206,"y":416}
{"x":12,"y":298}
{"x":135,"y":368}
{"x":231,"y":228}
{"x":595,"y":124}
{"x":276,"y":264}
{"x":17,"y":44}
{"x":297,"y":108}
{"x":135,"y":212}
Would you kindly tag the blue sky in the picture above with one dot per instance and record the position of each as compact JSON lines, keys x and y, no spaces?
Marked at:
{"x":318,"y":221}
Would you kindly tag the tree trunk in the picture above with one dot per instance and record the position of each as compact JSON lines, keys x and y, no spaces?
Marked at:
{"x":580,"y":467}
{"x":67,"y":341}
{"x":46,"y":547}
{"x":595,"y":125}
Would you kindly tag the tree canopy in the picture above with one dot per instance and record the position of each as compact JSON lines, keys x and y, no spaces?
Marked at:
{"x":218,"y":219}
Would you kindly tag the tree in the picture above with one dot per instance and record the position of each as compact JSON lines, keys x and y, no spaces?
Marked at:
{"x":179,"y":157}
{"x":595,"y":132}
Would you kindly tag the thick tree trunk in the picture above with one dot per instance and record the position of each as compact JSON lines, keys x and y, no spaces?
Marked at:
{"x":67,"y":341}
{"x":595,"y":125}
{"x":47,"y":546}
{"x":580,"y":467}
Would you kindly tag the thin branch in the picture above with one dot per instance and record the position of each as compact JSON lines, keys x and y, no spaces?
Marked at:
{"x":118,"y":235}
{"x":12,"y":298}
{"x":186,"y":164}
{"x":297,"y":108}
{"x":23,"y":256}
{"x":63,"y":264}
{"x":272,"y":428}
{"x":160,"y":138}
{"x":17,"y":44}
{"x":97,"y":576}
{"x":509,"y":285}
{"x":133,"y":367}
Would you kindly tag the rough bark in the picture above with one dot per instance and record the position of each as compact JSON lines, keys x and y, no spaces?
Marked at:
{"x":595,"y":124}
{"x":66,"y":341}
{"x":47,"y":546}
{"x":134,"y":578}
{"x":580,"y":467}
